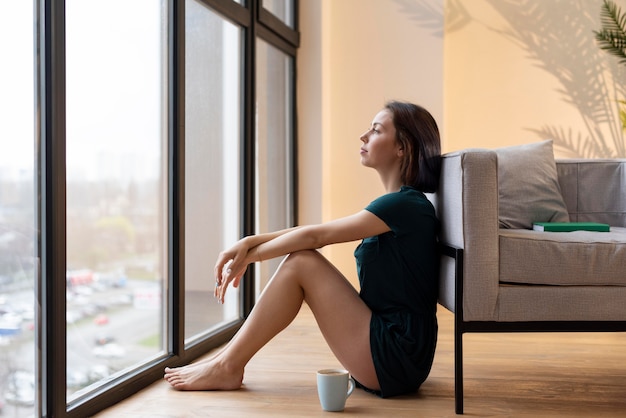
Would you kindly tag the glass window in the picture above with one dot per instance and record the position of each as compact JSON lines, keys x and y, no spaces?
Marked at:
{"x":116,"y":188}
{"x":282,"y":9}
{"x":213,"y":118}
{"x":112,"y":129}
{"x":274,"y":152}
{"x":18,"y":216}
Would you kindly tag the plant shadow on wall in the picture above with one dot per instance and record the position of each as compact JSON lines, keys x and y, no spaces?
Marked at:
{"x":426,"y":14}
{"x":581,"y":71}
{"x":612,"y":38}
{"x":591,"y":80}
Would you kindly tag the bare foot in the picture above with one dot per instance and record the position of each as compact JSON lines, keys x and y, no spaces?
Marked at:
{"x":207,"y":375}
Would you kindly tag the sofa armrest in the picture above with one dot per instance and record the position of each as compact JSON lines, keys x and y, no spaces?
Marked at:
{"x":594,"y":190}
{"x":467,"y":205}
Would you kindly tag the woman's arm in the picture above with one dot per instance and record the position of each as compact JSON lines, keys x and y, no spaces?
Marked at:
{"x":351,"y":228}
{"x":254,"y":240}
{"x":232,"y":263}
{"x":241,"y":251}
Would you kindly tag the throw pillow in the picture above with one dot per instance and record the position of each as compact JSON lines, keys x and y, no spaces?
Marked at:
{"x":528,"y":186}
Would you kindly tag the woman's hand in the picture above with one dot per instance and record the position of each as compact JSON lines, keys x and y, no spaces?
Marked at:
{"x":230,"y":266}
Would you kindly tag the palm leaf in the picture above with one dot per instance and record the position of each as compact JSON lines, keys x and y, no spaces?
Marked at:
{"x":612,"y":37}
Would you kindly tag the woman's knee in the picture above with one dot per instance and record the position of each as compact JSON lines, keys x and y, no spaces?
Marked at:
{"x":308,"y":265}
{"x":304,"y":259}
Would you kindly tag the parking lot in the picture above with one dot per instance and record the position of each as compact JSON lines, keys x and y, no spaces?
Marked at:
{"x":110,"y":327}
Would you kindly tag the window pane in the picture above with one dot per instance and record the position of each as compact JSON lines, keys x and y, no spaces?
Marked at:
{"x":282,"y":9}
{"x":18,"y":216}
{"x":212,"y":170}
{"x":273,"y":145}
{"x":116,"y":187}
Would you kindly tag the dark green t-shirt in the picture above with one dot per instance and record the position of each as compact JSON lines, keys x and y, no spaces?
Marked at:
{"x":398,"y":270}
{"x":398,"y":273}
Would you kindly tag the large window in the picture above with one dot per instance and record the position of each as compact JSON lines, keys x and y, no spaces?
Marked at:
{"x":18,"y":258}
{"x":116,"y":206}
{"x":284,"y":10}
{"x":213,"y":122}
{"x":274,"y":121}
{"x":137,"y":139}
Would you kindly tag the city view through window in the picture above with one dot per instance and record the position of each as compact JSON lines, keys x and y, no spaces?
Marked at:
{"x":118,"y":141}
{"x":116,"y":196}
{"x":116,"y":187}
{"x":18,"y":230}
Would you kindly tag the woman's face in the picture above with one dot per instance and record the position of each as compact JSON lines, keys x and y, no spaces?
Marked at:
{"x":380,"y":148}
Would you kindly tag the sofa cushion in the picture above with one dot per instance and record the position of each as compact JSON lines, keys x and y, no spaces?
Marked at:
{"x":528,"y":186}
{"x":563,"y":258}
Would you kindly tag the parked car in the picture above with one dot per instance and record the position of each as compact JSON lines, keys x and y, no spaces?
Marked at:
{"x":104,"y":340}
{"x":101,"y":319}
{"x":20,"y":389}
{"x":98,"y":372}
{"x":73,"y":316}
{"x":77,"y":379}
{"x":110,"y":350}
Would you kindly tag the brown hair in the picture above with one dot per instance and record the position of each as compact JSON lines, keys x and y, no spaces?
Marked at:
{"x":417,"y":133}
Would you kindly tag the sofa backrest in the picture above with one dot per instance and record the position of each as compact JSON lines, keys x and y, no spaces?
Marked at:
{"x":594,"y":190}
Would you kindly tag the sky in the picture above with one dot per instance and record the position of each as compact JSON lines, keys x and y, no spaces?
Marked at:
{"x":114,"y":87}
{"x":16,"y":85}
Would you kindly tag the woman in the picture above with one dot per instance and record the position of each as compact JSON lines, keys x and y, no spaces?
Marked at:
{"x":385,"y":336}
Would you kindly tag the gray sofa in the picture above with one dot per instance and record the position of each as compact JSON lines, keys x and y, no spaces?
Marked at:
{"x":503,"y":279}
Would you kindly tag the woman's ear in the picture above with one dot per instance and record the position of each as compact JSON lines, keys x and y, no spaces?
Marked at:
{"x":400,"y":152}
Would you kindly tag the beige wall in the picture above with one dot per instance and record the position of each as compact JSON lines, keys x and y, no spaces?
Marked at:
{"x":355,"y":55}
{"x":502,"y":74}
{"x":519,"y":72}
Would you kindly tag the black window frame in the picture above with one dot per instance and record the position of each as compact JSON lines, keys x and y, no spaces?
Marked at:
{"x":50,"y":136}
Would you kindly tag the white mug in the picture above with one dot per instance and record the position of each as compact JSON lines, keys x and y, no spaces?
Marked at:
{"x":333,"y":388}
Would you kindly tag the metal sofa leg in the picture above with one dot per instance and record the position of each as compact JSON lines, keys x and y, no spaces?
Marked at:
{"x":458,"y":370}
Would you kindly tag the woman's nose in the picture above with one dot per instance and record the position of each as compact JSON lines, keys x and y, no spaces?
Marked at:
{"x":364,"y":136}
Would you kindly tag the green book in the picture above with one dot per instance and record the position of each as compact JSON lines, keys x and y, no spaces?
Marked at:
{"x":570,"y":226}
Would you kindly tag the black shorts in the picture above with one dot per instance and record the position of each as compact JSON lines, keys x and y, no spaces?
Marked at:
{"x":403,"y":349}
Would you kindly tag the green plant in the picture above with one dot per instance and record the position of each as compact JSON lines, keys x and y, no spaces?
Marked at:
{"x":612,"y":38}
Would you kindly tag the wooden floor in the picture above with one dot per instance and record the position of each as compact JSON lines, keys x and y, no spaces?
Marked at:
{"x":518,"y":375}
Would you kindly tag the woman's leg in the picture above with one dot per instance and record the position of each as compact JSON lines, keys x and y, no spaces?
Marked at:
{"x":342,"y":316}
